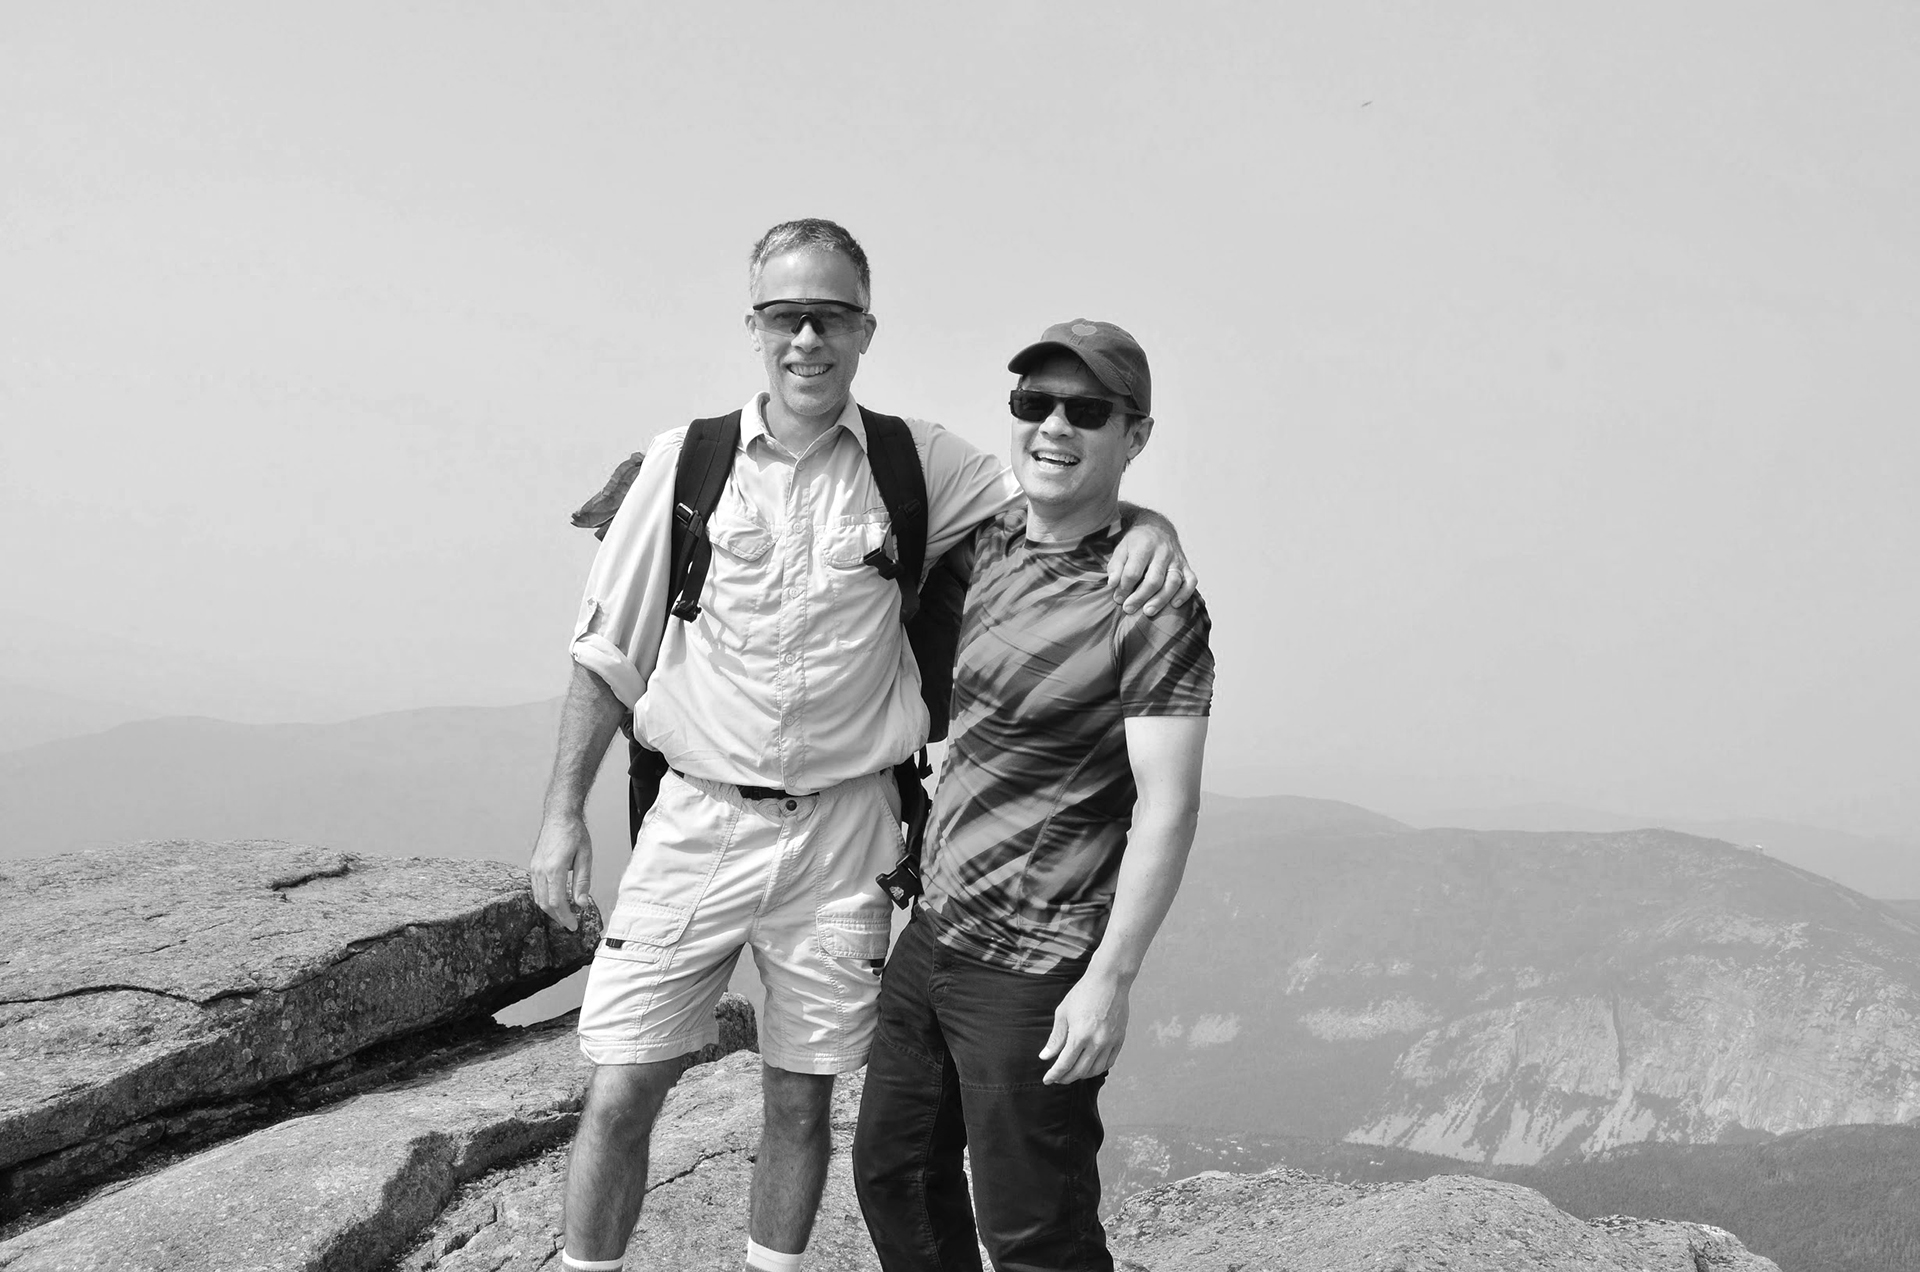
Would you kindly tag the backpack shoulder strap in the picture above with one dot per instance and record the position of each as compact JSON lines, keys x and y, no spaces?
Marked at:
{"x":706,"y":459}
{"x":903,"y":488}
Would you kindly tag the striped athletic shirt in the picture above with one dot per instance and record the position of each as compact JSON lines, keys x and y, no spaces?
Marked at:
{"x":1036,"y":797}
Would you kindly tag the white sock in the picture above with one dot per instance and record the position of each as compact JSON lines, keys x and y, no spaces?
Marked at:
{"x":592,"y":1265}
{"x":758,"y":1256}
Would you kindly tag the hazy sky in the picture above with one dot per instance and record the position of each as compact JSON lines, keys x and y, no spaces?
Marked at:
{"x":1536,"y":385}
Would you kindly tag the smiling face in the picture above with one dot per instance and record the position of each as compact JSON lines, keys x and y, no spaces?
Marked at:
{"x":808,"y":375}
{"x":1072,"y":475}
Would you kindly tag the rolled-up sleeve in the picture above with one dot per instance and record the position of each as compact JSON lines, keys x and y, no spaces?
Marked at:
{"x":965,"y":487}
{"x":617,"y":636}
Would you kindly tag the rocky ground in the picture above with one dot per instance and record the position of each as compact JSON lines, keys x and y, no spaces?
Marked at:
{"x":154,"y":997}
{"x":1290,"y":1221}
{"x":270,"y":1056}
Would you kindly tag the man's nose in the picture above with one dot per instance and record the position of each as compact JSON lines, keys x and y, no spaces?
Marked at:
{"x":1056,"y":421}
{"x":809,"y":335}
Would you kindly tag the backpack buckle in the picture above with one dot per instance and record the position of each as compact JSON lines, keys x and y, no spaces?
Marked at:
{"x":879,"y":560}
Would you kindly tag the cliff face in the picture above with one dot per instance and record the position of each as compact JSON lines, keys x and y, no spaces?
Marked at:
{"x":1513,"y":998}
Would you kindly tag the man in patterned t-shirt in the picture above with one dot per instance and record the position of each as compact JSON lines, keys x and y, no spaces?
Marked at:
{"x":1058,"y":837}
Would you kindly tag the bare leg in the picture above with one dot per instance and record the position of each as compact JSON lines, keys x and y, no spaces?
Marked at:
{"x":791,"y":1168}
{"x":607,"y":1170}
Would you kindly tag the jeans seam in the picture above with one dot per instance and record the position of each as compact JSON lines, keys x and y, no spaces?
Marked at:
{"x":927,"y":1232}
{"x":929,"y":1236}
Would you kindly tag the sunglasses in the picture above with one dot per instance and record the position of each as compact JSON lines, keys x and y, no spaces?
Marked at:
{"x":1034,"y":406}
{"x":829,"y":317}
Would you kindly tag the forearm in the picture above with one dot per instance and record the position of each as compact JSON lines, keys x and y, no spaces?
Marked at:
{"x":1132,"y":514}
{"x":1150,"y":873}
{"x":588,"y":722}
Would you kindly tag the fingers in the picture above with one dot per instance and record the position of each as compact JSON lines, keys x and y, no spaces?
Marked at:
{"x":582,"y":880}
{"x":1152,"y":589}
{"x":1081,"y":1059}
{"x":1166,"y":582}
{"x":1174,"y":588}
{"x":555,"y":859}
{"x":1091,"y":1061}
{"x":1069,"y":1061}
{"x":1070,"y":1048}
{"x":1126,"y":568}
{"x":553,"y":900}
{"x":1056,"y":1039}
{"x":1189,"y":584}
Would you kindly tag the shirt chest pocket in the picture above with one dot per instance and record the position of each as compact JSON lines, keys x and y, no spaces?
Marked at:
{"x":847,"y":544}
{"x":737,"y":592}
{"x":738,"y":537}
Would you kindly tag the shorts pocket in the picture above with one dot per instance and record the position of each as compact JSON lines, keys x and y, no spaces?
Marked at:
{"x":856,"y":929}
{"x":644,"y":931}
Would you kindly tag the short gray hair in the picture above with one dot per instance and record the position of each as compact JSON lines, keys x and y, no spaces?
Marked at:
{"x":809,"y":234}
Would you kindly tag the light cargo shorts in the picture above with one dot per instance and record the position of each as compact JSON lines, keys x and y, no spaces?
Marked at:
{"x":792,"y":879}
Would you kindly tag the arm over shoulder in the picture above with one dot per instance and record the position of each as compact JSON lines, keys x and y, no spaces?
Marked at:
{"x":965,"y":485}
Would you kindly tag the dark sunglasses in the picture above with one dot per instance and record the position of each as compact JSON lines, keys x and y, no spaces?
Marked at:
{"x":1034,"y":406}
{"x":829,"y":317}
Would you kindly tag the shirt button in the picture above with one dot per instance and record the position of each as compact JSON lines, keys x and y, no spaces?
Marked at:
{"x":792,"y":804}
{"x":787,"y":658}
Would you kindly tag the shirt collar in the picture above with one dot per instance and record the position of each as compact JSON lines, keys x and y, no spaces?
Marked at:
{"x":1106,"y":534}
{"x":753,"y":421}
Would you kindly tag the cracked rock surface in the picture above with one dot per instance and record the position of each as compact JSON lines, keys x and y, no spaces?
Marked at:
{"x":159,"y":977}
{"x":696,"y":1209}
{"x":352,"y":1186}
{"x":1291,"y":1221}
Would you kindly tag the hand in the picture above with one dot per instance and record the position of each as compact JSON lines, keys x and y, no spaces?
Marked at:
{"x":562,"y":869}
{"x":1089,"y":1026}
{"x":1149,"y":570}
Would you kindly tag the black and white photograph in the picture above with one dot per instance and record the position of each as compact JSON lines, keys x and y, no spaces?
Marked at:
{"x":1089,"y":637}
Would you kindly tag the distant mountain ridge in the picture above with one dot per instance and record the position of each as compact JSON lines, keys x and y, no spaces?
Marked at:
{"x":31,"y":715}
{"x":1506,"y":997}
{"x":448,"y":781}
{"x":1876,"y":865}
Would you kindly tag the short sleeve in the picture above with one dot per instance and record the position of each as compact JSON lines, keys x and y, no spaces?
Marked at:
{"x":965,"y":486}
{"x":1166,"y":662}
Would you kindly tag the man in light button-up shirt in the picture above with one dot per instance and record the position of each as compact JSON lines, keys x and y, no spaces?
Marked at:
{"x":782,"y":709}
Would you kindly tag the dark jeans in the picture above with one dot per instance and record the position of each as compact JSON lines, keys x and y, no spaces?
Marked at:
{"x":956,"y":1064}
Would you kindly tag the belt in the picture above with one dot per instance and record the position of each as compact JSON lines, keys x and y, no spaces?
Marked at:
{"x":763,"y":792}
{"x":757,"y":792}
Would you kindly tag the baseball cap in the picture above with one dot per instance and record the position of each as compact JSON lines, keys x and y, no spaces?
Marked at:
{"x":1115,"y":357}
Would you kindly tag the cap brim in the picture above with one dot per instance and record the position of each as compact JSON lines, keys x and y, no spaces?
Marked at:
{"x":1028,"y":357}
{"x":1023,"y":361}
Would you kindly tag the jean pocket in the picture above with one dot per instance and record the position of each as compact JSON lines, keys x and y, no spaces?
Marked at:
{"x":644,"y":931}
{"x":856,"y":929}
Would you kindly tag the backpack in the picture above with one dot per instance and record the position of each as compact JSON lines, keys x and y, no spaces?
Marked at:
{"x":930,"y":610}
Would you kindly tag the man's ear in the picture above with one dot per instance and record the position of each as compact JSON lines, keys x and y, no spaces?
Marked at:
{"x":872,"y":325}
{"x":1137,"y":434}
{"x":753,"y":333}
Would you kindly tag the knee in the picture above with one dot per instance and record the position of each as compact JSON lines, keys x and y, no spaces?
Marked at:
{"x":623,"y":1100}
{"x":876,"y":1158}
{"x":798,"y":1105}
